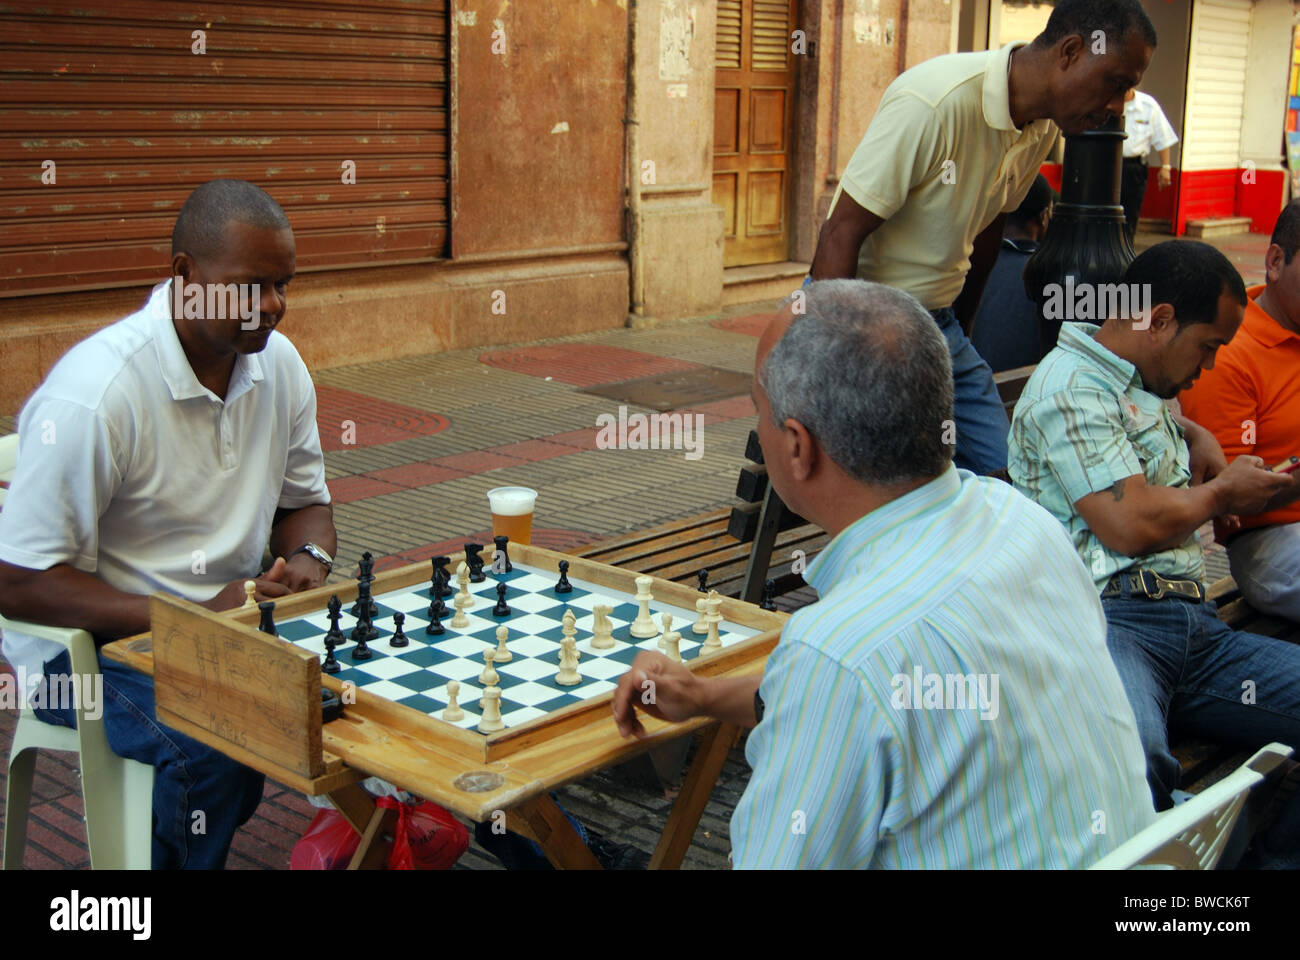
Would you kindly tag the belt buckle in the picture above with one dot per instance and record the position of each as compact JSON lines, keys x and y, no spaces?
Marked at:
{"x":1147,"y":588}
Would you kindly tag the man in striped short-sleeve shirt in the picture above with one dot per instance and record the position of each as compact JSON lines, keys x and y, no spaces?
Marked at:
{"x":949,"y":701}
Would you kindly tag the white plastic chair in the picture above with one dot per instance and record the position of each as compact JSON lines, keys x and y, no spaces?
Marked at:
{"x":1192,"y":835}
{"x":117,"y":793}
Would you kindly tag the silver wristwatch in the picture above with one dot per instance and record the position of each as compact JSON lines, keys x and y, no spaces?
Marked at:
{"x":317,"y":554}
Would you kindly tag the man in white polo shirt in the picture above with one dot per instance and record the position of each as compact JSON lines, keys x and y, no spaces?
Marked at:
{"x":954,"y":146}
{"x":163,"y":454}
{"x":1146,"y":128}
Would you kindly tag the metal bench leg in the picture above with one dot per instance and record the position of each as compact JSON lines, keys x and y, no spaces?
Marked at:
{"x":760,"y":557}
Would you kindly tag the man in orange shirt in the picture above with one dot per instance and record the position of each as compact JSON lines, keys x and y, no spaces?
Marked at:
{"x":1250,"y":400}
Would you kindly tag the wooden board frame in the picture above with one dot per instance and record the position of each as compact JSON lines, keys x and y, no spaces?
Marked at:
{"x":475,"y":775}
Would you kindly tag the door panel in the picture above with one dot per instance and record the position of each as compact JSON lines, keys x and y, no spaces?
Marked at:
{"x":754,"y":112}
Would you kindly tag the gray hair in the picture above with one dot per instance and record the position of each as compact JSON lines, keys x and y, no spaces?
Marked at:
{"x":865,"y":369}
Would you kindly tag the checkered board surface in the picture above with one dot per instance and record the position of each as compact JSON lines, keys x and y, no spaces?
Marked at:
{"x":417,"y":675}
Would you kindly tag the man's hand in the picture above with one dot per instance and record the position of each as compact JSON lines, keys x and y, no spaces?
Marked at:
{"x":1164,"y":178}
{"x":301,"y":572}
{"x":661,"y":687}
{"x":269,"y":587}
{"x":1247,"y":485}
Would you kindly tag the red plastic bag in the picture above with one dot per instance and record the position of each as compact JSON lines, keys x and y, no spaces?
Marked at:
{"x":328,"y":844}
{"x":427,"y":837}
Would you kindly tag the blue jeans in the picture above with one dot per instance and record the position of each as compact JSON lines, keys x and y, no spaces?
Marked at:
{"x":1185,"y":669}
{"x":189,"y":777}
{"x":982,"y":424}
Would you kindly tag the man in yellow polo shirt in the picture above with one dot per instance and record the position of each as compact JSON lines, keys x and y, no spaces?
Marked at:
{"x":1251,"y":402}
{"x":954,"y":146}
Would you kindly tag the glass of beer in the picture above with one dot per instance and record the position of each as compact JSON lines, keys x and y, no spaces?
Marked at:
{"x":512,"y":512}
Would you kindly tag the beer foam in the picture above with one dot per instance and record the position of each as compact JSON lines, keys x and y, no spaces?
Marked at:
{"x":512,"y":501}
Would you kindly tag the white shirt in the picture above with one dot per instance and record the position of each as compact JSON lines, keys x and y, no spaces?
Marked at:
{"x":130,"y":469}
{"x":939,"y":161}
{"x":1146,"y":126}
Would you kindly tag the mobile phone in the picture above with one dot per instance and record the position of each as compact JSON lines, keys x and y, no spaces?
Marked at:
{"x":1287,"y":465}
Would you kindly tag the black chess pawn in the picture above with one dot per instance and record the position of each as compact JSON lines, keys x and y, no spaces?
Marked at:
{"x":703,"y":577}
{"x":398,"y":639}
{"x":501,"y":551}
{"x":474,"y":562}
{"x":435,"y":626}
{"x":267,"y":624}
{"x":769,"y":590}
{"x":501,"y":609}
{"x":331,"y":664}
{"x":442,"y":563}
{"x":564,"y":586}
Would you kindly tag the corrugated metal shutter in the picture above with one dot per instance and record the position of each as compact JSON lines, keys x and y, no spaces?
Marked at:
{"x":112,"y":92}
{"x":1216,"y":84}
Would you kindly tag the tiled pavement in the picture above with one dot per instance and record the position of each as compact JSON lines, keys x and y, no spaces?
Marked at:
{"x":411,"y":447}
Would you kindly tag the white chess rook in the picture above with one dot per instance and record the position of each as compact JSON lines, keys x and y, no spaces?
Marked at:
{"x":490,"y":721}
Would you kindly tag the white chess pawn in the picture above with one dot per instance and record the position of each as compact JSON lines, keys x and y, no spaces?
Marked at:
{"x":453,"y":712}
{"x":250,"y":591}
{"x":671,"y":640}
{"x":503,"y":653}
{"x":488,"y":678}
{"x":667,"y":621}
{"x":460,"y":621}
{"x":490,"y":721}
{"x":700,"y":626}
{"x":643,"y":627}
{"x":569,"y":624}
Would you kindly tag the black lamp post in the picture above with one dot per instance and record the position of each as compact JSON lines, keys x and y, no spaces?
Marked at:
{"x":1085,"y":242}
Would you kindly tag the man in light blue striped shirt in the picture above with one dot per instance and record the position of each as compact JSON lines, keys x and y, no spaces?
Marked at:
{"x":949,"y":701}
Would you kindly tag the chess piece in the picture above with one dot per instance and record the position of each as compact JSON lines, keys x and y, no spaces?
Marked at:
{"x":398,"y":639}
{"x":568,"y":675}
{"x":564,"y":586}
{"x":452,"y":712}
{"x":365,"y":630}
{"x":331,"y":664}
{"x":361,"y":651}
{"x":367,"y":566}
{"x":671,"y":640}
{"x":335,"y":612}
{"x":460,"y":621}
{"x":601,"y":629}
{"x":700,"y":626}
{"x":501,"y":549}
{"x":462,"y":581}
{"x":489,"y":677}
{"x":667,"y":621}
{"x":769,"y":591}
{"x":643,"y":627}
{"x":568,"y":624}
{"x":703,"y":577}
{"x":503,"y":652}
{"x":502,"y":609}
{"x":267,"y":624}
{"x":442,"y":563}
{"x":475,"y":562}
{"x":490,"y":721}
{"x":434,"y":627}
{"x":713,"y":618}
{"x":250,"y":593}
{"x":435,"y":579}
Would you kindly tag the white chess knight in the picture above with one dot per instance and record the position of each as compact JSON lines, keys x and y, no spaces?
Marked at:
{"x":602,"y":630}
{"x":643,"y":627}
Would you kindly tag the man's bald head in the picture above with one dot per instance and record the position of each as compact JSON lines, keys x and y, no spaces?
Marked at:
{"x":201,"y":225}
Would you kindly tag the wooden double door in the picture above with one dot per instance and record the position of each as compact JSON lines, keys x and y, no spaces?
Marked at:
{"x":756,"y":56}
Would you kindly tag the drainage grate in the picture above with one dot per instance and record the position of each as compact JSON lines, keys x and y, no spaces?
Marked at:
{"x":676,"y":391}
